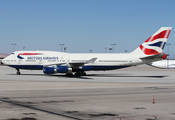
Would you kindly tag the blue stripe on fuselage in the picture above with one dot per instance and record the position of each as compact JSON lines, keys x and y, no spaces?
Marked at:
{"x":27,"y":67}
{"x":84,"y":68}
{"x":20,"y":57}
{"x":88,"y":68}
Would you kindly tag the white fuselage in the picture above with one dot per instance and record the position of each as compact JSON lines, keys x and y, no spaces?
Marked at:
{"x":46,"y":58}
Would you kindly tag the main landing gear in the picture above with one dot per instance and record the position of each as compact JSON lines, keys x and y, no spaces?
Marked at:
{"x":18,"y":72}
{"x":80,"y":73}
{"x":69,"y":74}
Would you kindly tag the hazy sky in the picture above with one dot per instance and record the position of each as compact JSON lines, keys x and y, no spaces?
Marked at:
{"x":83,"y":25}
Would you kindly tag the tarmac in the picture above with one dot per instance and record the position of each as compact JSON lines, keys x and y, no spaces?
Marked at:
{"x":124,"y":94}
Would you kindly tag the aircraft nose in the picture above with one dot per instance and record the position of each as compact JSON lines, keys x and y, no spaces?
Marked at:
{"x":2,"y":62}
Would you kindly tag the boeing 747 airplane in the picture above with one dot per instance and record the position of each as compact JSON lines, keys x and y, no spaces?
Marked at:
{"x":77,"y":63}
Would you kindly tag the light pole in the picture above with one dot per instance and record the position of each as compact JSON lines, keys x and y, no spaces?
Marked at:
{"x":110,"y":49}
{"x":106,"y":49}
{"x":65,"y":49}
{"x":168,"y":53}
{"x":90,"y":51}
{"x":13,"y":46}
{"x":23,"y":48}
{"x":61,"y":46}
{"x":113,"y":47}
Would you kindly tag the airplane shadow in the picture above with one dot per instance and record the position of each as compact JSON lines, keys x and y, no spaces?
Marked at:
{"x":90,"y":76}
{"x":52,"y":75}
{"x":125,"y":75}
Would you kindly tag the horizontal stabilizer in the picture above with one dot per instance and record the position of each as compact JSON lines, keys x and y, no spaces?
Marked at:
{"x":153,"y":58}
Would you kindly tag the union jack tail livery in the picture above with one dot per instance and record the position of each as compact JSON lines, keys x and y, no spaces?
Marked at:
{"x":154,"y":44}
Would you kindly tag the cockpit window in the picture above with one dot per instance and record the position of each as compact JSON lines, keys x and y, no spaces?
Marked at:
{"x":12,"y":53}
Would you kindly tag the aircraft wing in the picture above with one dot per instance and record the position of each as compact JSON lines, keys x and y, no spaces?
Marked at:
{"x":73,"y":64}
{"x":78,"y":64}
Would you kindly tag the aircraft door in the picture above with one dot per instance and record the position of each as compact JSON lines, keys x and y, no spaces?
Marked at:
{"x":40,"y":62}
{"x":19,"y":61}
{"x":130,"y":60}
{"x":68,"y":60}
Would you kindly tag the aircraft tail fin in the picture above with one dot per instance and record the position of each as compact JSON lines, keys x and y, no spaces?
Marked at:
{"x":154,"y":44}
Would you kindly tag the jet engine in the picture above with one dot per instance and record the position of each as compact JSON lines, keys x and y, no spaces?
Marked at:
{"x":58,"y":69}
{"x":49,"y":70}
{"x":63,"y":69}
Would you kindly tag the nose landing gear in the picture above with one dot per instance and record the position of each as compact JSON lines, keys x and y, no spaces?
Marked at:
{"x":18,"y":72}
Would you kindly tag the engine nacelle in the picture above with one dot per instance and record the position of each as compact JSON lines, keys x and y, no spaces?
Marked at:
{"x":49,"y":70}
{"x":59,"y":69}
{"x":63,"y":69}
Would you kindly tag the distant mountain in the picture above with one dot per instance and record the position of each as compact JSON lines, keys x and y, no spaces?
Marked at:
{"x":3,"y":55}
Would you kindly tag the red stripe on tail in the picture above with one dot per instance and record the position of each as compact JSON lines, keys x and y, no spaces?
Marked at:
{"x":163,"y":34}
{"x":148,"y":51}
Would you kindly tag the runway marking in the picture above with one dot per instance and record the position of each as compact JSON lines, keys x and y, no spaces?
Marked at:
{"x":38,"y":109}
{"x":146,"y":117}
{"x":95,"y":116}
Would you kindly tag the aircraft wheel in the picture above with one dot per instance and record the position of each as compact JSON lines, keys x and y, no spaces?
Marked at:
{"x":77,"y":74}
{"x":80,"y":73}
{"x":69,"y":74}
{"x":18,"y":73}
{"x":83,"y":73}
